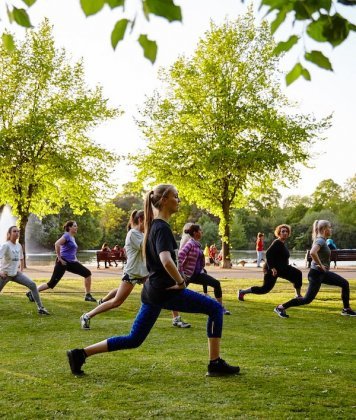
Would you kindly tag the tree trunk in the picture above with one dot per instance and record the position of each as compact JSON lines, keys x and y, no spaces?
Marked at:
{"x":22,"y":221}
{"x":226,"y":262}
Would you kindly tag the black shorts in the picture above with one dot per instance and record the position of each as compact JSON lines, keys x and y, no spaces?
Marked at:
{"x":74,"y":267}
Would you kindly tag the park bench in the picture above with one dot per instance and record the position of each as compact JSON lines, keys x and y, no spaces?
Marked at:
{"x":112,"y":256}
{"x":336,"y":255}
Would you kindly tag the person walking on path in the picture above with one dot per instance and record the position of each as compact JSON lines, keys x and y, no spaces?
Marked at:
{"x":320,"y":273}
{"x":66,"y":250}
{"x":206,"y":255}
{"x":135,"y":273}
{"x":277,"y":265}
{"x":164,"y":289}
{"x":259,"y":248}
{"x":12,"y":265}
{"x":191,"y":263}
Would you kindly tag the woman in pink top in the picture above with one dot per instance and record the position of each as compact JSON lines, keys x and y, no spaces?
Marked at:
{"x":191,"y":263}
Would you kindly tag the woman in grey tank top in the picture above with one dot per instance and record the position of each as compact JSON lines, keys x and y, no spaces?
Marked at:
{"x":320,"y":273}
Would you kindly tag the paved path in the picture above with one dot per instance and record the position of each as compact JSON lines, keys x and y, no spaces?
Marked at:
{"x":45,"y":272}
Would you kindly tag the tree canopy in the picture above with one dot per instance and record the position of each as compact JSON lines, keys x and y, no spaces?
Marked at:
{"x":219,"y":129}
{"x":46,"y":113}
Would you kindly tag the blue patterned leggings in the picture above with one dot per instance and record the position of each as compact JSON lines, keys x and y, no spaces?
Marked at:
{"x":186,"y":301}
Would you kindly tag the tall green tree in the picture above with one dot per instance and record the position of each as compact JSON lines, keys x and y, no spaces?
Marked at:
{"x":113,"y":222}
{"x":46,"y":114}
{"x":219,"y":128}
{"x":327,"y":195}
{"x":44,"y":233}
{"x":347,"y":212}
{"x":295,"y":207}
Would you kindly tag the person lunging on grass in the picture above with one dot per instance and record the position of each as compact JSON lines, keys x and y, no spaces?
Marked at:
{"x":135,"y":273}
{"x":164,"y":289}
{"x":66,"y":250}
{"x":191,"y":263}
{"x":12,"y":259}
{"x":320,"y":273}
{"x":277,"y":265}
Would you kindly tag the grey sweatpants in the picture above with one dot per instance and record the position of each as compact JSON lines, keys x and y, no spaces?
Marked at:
{"x":20,"y":278}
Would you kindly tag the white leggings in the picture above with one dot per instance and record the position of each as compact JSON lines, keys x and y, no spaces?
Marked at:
{"x":20,"y":278}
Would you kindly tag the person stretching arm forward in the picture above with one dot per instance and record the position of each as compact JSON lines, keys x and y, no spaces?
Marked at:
{"x":164,"y":289}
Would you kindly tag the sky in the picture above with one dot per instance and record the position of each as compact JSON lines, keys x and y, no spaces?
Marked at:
{"x":127,"y":77}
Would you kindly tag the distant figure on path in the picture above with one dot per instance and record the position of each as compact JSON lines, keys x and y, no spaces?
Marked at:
{"x":259,"y":248}
{"x":206,"y":255}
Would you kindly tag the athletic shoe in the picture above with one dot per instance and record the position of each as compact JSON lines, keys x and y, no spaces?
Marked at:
{"x":281,"y":312}
{"x":221,"y":368}
{"x":348,"y":312}
{"x":43,"y":311}
{"x":178,"y":322}
{"x":30,"y":297}
{"x":85,"y":322}
{"x":76,"y":359}
{"x":89,"y":298}
{"x":226,"y":311}
{"x":100,"y":301}
{"x":240,"y":296}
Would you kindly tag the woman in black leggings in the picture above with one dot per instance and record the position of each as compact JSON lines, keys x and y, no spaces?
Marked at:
{"x":66,"y":250}
{"x":319,"y":273}
{"x":277,"y":265}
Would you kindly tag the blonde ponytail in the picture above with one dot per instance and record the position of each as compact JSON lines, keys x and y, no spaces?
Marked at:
{"x":318,"y":227}
{"x":153,"y":199}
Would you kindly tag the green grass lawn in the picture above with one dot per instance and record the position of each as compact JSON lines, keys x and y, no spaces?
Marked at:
{"x":303,"y":367}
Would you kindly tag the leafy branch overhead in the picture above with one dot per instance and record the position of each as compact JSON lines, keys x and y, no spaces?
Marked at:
{"x":320,"y":20}
{"x":323,"y":23}
{"x":162,"y":8}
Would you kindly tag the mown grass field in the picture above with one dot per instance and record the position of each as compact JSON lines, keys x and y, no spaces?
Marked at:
{"x":303,"y":367}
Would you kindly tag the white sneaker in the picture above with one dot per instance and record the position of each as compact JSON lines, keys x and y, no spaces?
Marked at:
{"x":43,"y":311}
{"x":85,"y":322}
{"x":178,"y":322}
